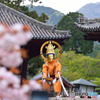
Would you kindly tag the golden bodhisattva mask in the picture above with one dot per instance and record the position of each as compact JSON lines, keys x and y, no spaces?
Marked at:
{"x":50,"y":57}
{"x":50,"y":51}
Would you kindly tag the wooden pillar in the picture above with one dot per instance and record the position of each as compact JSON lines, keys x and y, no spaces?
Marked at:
{"x":24,"y":69}
{"x":86,"y":88}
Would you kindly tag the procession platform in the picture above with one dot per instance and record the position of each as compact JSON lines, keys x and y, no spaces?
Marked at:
{"x":66,"y":98}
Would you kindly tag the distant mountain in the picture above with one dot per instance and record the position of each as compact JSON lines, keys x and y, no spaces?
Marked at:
{"x":54,"y":15}
{"x":91,"y":10}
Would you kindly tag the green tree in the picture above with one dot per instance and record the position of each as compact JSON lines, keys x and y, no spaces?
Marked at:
{"x":98,"y":55}
{"x":15,"y":4}
{"x":97,"y":81}
{"x":33,"y":14}
{"x":34,"y":66}
{"x":96,"y":51}
{"x":5,"y":1}
{"x":75,"y":66}
{"x":76,"y":42}
{"x":43,"y":18}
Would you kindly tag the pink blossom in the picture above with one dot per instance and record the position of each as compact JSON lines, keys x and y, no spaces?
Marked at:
{"x":22,"y":38}
{"x":25,"y":88}
{"x":3,"y":84}
{"x":2,"y":52}
{"x":10,"y":56}
{"x":7,"y":42}
{"x":17,"y":28}
{"x":2,"y":29}
{"x":34,"y":85}
{"x":12,"y":59}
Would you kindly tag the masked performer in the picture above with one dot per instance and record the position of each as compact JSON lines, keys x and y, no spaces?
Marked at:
{"x":51,"y":68}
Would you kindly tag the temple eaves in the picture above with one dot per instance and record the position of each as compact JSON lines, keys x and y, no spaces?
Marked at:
{"x":91,"y":26}
{"x":88,"y":25}
{"x":39,"y":30}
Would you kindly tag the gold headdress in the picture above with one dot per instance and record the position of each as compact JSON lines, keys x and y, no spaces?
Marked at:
{"x":50,"y":48}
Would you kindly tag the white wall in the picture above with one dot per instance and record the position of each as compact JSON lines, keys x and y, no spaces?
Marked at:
{"x":90,"y":89}
{"x":83,"y":88}
{"x":86,"y":88}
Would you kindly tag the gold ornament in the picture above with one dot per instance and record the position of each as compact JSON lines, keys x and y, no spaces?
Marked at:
{"x":50,"y":49}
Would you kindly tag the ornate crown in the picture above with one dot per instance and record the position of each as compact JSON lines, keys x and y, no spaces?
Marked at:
{"x":50,"y":48}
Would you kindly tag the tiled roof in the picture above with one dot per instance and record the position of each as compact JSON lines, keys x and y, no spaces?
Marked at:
{"x":39,"y":76}
{"x":39,"y":30}
{"x":67,"y":81}
{"x":88,"y":24}
{"x":83,"y":82}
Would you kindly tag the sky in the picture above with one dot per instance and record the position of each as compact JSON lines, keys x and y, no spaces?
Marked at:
{"x":64,"y":6}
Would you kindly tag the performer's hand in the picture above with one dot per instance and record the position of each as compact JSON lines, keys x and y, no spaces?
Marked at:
{"x":44,"y":81}
{"x":54,"y":80}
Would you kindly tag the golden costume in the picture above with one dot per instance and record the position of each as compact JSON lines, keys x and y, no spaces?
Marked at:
{"x":53,"y":67}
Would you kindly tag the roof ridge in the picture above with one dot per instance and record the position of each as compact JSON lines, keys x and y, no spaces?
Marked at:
{"x":23,"y":16}
{"x":39,"y":30}
{"x":81,"y":79}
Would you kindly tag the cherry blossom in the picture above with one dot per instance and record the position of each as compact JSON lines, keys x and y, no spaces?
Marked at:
{"x":10,"y":88}
{"x":11,"y":59}
{"x":10,"y":41}
{"x":11,"y":38}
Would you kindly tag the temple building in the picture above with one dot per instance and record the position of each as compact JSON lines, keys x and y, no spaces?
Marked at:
{"x":82,"y":85}
{"x":40,"y":32}
{"x":91,"y":26}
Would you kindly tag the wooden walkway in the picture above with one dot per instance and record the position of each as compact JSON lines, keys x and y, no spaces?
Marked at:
{"x":66,"y":98}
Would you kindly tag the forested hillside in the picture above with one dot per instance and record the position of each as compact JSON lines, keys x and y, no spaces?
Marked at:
{"x":23,"y":9}
{"x":91,"y":10}
{"x":54,"y":15}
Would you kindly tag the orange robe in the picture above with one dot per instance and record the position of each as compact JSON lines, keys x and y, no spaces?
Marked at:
{"x":53,"y":71}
